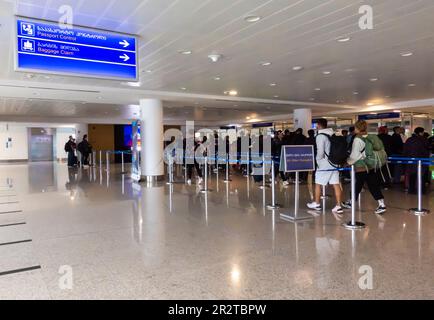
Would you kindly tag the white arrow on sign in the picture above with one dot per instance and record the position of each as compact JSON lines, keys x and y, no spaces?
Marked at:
{"x":124,"y":43}
{"x":125,"y":57}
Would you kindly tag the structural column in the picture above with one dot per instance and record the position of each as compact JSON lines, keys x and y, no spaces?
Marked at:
{"x":151,"y":132}
{"x":303,"y":119}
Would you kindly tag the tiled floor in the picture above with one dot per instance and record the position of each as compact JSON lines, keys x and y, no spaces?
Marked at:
{"x":123,"y":241}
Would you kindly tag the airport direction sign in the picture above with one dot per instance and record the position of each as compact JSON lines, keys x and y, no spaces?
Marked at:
{"x":46,"y":47}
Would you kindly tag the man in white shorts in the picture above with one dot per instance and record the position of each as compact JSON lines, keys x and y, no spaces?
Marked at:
{"x":326,"y":173}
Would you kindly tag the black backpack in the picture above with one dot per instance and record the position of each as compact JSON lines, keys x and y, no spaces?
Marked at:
{"x":338,"y":150}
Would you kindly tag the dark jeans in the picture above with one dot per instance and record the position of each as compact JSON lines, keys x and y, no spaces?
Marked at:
{"x":373,"y":180}
{"x":84,"y":159}
{"x":71,"y":159}
{"x":190,"y":170}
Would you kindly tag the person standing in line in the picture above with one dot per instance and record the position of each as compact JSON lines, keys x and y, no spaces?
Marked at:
{"x":383,"y":135}
{"x":70,"y":148}
{"x":364,"y":174}
{"x":397,"y":148}
{"x":85,"y":149}
{"x":416,"y":147}
{"x":326,"y":173}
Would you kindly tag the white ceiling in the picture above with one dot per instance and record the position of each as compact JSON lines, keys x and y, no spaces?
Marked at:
{"x":291,"y":33}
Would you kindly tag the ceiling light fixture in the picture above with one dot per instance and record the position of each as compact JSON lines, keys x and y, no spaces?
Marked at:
{"x":343,"y":39}
{"x":215,"y":57}
{"x":266,"y":63}
{"x":297,"y":68}
{"x":275,"y":96}
{"x":185,"y":52}
{"x":183,"y":88}
{"x":406,"y":54}
{"x":273,"y":84}
{"x":317,"y":89}
{"x":217,"y":78}
{"x":326,"y":72}
{"x":252,"y":18}
{"x":370,"y":104}
{"x":134,"y":84}
{"x":355,"y":93}
{"x":412,"y":85}
{"x":373,"y":79}
{"x":397,"y":111}
{"x":233,"y":93}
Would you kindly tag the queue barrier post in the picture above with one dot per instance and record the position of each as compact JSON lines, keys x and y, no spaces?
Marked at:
{"x":107,"y":157}
{"x":123,"y":162}
{"x":419,"y":211}
{"x":296,"y":217}
{"x":170,"y":170}
{"x":263,"y":186}
{"x":227,"y":179}
{"x":273,"y":205}
{"x":205,"y":188}
{"x":100,"y":159}
{"x":353,"y":224}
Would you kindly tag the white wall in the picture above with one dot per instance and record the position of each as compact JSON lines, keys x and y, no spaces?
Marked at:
{"x":19,"y":148}
{"x":19,"y":134}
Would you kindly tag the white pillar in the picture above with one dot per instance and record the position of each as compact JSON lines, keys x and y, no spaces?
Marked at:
{"x":151,"y":132}
{"x":303,"y":119}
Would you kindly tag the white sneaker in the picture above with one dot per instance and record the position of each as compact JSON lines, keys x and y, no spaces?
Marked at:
{"x":285,"y":183}
{"x":314,"y":206}
{"x":338,"y":210}
{"x":200,"y":181}
{"x":189,"y":182}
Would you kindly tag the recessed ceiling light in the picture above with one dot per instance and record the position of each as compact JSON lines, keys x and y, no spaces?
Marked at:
{"x":373,"y":79}
{"x":99,"y":98}
{"x":273,"y":84}
{"x":266,"y":63}
{"x":350,"y":70}
{"x":252,"y":18}
{"x":370,"y":104}
{"x":185,"y":52}
{"x":147,"y":71}
{"x":297,"y":68}
{"x":47,"y":77}
{"x":406,"y":54}
{"x":317,"y":89}
{"x":235,"y":105}
{"x":217,"y":78}
{"x":397,"y":111}
{"x":312,"y":99}
{"x":343,"y":39}
{"x":134,"y":84}
{"x":248,"y":118}
{"x":183,"y":88}
{"x":326,"y":72}
{"x":355,"y":93}
{"x":412,"y":85}
{"x":275,"y":96}
{"x":232,"y":92}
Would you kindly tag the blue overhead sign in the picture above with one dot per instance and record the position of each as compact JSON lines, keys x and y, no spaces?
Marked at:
{"x":379,"y":116}
{"x":48,"y":48}
{"x":298,"y":158}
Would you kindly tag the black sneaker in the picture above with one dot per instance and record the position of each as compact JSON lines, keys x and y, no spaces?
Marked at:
{"x":381,"y":210}
{"x":346,"y":205}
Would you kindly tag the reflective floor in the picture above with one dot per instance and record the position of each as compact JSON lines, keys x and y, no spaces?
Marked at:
{"x":89,"y":235}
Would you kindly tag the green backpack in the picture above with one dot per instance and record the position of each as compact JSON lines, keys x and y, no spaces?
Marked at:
{"x":376,"y":156}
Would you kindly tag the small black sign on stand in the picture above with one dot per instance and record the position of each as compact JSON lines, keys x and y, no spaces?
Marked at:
{"x":298,"y":159}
